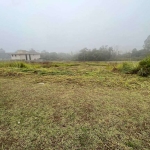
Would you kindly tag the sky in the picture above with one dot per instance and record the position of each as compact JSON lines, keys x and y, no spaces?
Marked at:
{"x":71,"y":25}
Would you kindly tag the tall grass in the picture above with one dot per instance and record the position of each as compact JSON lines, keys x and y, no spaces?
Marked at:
{"x":63,"y":68}
{"x":18,"y":64}
{"x":127,"y":67}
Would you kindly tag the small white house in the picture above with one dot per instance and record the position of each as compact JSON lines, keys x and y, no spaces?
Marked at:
{"x":25,"y":55}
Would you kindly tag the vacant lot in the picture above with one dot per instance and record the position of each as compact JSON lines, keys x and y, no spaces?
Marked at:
{"x":74,"y":105}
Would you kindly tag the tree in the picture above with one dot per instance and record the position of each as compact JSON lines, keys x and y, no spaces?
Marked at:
{"x":82,"y":54}
{"x":44,"y":51}
{"x":32,"y":51}
{"x":135,"y":53}
{"x":2,"y":51}
{"x":147,"y":43}
{"x":102,"y":54}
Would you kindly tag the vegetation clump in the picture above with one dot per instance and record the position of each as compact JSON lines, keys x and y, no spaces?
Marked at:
{"x":126,"y":67}
{"x":144,"y":67}
{"x":15,"y":64}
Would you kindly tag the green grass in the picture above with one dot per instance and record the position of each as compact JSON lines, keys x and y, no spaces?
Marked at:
{"x":73,"y":105}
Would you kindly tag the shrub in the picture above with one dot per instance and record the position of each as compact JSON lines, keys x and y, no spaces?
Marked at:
{"x":144,"y":67}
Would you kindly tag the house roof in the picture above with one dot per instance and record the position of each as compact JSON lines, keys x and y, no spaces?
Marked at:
{"x":23,"y":52}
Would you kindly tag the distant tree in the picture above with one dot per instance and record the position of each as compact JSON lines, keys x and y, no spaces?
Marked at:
{"x":3,"y":55}
{"x":134,"y":50}
{"x":2,"y":51}
{"x":83,"y":54}
{"x":53,"y":56}
{"x":101,"y":54}
{"x":32,"y":51}
{"x":44,"y":51}
{"x":147,"y":43}
{"x":135,"y":53}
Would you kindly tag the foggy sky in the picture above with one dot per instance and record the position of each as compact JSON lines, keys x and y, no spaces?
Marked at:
{"x":70,"y":25}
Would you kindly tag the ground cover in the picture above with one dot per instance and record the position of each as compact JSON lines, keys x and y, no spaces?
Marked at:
{"x":73,"y":105}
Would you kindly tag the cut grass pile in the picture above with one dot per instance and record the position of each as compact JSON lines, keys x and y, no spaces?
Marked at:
{"x":73,"y":105}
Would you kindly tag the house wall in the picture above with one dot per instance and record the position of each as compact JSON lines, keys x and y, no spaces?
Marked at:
{"x":18,"y":57}
{"x":23,"y":57}
{"x":15,"y":57}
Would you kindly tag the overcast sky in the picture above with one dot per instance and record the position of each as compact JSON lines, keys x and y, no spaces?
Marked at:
{"x":70,"y":25}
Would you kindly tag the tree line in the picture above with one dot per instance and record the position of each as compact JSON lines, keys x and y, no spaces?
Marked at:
{"x":104,"y":53}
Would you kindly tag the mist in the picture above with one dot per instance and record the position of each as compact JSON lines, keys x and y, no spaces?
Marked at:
{"x":68,"y":26}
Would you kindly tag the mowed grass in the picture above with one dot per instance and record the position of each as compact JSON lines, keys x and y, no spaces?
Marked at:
{"x":73,"y":105}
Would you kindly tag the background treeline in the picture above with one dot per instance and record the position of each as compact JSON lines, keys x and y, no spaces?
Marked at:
{"x":53,"y":56}
{"x":104,"y":53}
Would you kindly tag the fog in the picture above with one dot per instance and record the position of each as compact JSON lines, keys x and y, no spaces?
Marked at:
{"x":70,"y":25}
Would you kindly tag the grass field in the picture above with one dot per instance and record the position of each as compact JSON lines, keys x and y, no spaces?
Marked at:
{"x":73,"y":106}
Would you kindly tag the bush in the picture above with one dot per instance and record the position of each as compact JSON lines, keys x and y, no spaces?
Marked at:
{"x":144,"y":67}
